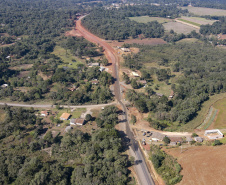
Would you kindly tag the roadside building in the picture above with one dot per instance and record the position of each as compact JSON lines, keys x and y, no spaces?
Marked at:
{"x":189,"y":139}
{"x":96,"y":64}
{"x":214,"y":134}
{"x":65,"y":116}
{"x":135,"y":74}
{"x":156,"y":136}
{"x":94,"y":82}
{"x":125,"y":49}
{"x":4,"y":85}
{"x":175,"y":140}
{"x":44,"y":113}
{"x":198,"y":139}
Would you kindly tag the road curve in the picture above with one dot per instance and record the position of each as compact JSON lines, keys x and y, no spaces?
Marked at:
{"x":141,"y":168}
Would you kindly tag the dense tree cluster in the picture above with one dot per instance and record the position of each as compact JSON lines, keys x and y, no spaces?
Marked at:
{"x":216,"y":28}
{"x":165,"y":165}
{"x":76,"y":157}
{"x":114,"y":25}
{"x":203,"y":74}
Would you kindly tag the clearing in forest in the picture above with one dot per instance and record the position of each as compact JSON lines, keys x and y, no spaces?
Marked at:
{"x":201,"y":164}
{"x":205,"y":11}
{"x":179,"y":27}
{"x":146,"y":19}
{"x":66,"y":56}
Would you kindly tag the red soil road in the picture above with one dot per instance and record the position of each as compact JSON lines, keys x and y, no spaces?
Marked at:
{"x":109,"y":52}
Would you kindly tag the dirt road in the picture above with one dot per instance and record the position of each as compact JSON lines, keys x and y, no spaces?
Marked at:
{"x":141,"y":169}
{"x":53,"y":106}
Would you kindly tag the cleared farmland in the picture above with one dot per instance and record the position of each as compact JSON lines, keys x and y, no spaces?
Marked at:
{"x":146,"y":19}
{"x":198,"y":20}
{"x":201,"y":164}
{"x":179,"y":27}
{"x":205,"y":11}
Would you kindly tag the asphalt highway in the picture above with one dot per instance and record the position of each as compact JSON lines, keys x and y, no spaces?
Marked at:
{"x":144,"y":176}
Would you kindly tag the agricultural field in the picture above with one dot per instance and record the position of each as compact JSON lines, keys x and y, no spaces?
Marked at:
{"x":201,"y":164}
{"x":179,"y":27}
{"x":198,"y":20}
{"x":205,"y":11}
{"x":221,"y":116}
{"x":66,"y":57}
{"x":147,"y":41}
{"x":146,"y":19}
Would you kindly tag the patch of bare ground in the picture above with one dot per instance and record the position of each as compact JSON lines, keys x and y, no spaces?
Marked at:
{"x":23,"y":74}
{"x":22,"y":67}
{"x":44,"y":77}
{"x":201,"y":164}
{"x":73,"y":33}
{"x":222,"y":36}
{"x":147,"y":41}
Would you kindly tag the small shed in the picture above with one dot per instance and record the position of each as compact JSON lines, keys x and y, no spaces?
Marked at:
{"x":198,"y":139}
{"x":135,"y":74}
{"x":68,"y":128}
{"x":77,"y":121}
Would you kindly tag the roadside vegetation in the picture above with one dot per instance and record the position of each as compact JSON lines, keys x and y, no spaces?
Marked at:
{"x":165,"y":165}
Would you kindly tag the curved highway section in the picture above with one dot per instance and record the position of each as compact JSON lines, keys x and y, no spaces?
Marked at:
{"x":141,"y":169}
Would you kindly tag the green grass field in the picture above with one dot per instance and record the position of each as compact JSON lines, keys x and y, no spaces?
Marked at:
{"x":205,"y":11}
{"x":146,"y":19}
{"x":221,"y":117}
{"x":66,"y":57}
{"x":198,"y":20}
{"x":198,"y":120}
{"x":190,"y":22}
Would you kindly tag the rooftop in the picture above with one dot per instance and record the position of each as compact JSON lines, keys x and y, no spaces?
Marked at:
{"x":65,"y":116}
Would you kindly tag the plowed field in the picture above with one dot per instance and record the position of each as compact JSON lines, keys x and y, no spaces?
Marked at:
{"x":202,"y":165}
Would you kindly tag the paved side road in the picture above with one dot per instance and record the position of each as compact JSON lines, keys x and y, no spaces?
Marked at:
{"x":53,"y":106}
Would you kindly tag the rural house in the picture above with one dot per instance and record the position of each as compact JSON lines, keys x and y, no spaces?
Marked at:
{"x":65,"y":116}
{"x":175,"y":140}
{"x":94,"y":82}
{"x":77,"y":121}
{"x":44,"y":113}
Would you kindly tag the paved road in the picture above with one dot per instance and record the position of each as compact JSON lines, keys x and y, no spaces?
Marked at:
{"x":52,"y":106}
{"x":141,"y":169}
